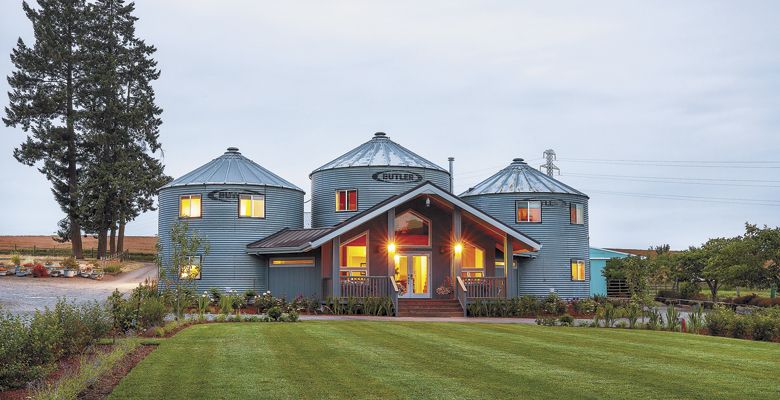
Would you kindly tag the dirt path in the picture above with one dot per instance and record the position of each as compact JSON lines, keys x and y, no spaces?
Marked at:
{"x":25,"y":295}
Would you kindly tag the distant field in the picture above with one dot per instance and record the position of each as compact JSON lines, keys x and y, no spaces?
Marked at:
{"x":135,"y":244}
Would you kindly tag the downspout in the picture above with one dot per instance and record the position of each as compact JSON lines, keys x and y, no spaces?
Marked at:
{"x":452,"y":177}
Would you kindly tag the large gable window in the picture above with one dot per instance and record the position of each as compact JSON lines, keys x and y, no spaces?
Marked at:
{"x":412,"y":229}
{"x":189,"y":206}
{"x":472,"y":261}
{"x":346,"y":200}
{"x":354,"y":256}
{"x":529,"y":211}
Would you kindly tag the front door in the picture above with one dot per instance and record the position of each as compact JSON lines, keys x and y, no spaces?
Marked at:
{"x":413,"y":274}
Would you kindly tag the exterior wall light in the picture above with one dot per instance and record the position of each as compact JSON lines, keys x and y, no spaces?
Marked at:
{"x":458,"y":248}
{"x":397,"y":259}
{"x":391,"y":247}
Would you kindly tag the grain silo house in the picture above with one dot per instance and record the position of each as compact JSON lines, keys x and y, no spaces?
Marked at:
{"x":384,"y":223}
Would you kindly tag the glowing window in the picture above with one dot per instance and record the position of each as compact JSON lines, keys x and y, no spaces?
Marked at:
{"x":189,"y":206}
{"x":346,"y":200}
{"x":354,"y":256}
{"x":411,"y":229}
{"x":251,"y":206}
{"x":529,"y":211}
{"x":577,"y":270}
{"x":292,"y":262}
{"x":473,"y":261}
{"x":577,"y":213}
{"x":191,"y":269}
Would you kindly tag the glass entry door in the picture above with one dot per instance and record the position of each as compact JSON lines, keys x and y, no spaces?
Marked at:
{"x":413,"y":274}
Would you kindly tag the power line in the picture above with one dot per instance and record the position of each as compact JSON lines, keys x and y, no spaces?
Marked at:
{"x":682,"y":178}
{"x":722,"y":200}
{"x":677,"y":161}
{"x":661,"y":164}
{"x":662,"y":180}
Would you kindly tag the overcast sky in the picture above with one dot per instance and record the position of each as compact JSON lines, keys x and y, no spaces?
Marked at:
{"x":295,"y":84}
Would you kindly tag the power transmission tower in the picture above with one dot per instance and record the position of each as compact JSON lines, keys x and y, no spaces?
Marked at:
{"x":549,"y":155}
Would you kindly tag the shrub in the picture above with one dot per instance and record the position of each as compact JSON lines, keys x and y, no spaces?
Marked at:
{"x":274,"y":312}
{"x":632,"y":312}
{"x":16,"y":259}
{"x":112,"y":268}
{"x":151,"y":312}
{"x":39,"y":271}
{"x":528,"y":305}
{"x":546,"y":321}
{"x":740,"y":326}
{"x":215,"y":295}
{"x":584,"y":306}
{"x":566,"y":320}
{"x":554,"y":305}
{"x":225,"y":305}
{"x":250,"y":294}
{"x":607,"y":313}
{"x":654,"y":319}
{"x":689,"y":290}
{"x":81,"y":325}
{"x":201,"y":303}
{"x":764,"y":327}
{"x":672,"y":318}
{"x":696,"y":319}
{"x":718,"y":321}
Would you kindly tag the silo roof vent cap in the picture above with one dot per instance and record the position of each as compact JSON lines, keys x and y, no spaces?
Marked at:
{"x":518,"y":161}
{"x":380,"y":135}
{"x":232,"y":149}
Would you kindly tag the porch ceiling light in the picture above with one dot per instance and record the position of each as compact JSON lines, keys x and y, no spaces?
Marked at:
{"x":458,"y":248}
{"x":391,"y":247}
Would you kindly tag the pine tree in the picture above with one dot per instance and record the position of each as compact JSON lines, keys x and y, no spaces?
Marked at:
{"x":43,"y":98}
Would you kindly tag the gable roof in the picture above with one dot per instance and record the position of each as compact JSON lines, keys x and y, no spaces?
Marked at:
{"x":317,"y":239}
{"x":231,"y":168}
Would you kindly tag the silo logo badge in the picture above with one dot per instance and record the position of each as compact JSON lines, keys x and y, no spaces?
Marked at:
{"x":229,"y":195}
{"x":397,"y":176}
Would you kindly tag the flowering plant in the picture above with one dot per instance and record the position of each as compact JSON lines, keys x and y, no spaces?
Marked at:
{"x":445,"y":288}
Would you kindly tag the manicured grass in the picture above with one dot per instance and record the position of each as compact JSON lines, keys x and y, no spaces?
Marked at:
{"x":418,"y":360}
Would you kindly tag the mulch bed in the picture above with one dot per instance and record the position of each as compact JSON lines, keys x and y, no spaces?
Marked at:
{"x":106,"y":384}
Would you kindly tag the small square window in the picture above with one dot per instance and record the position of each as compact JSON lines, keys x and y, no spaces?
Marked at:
{"x":346,"y":200}
{"x":577,"y":270}
{"x":251,"y":206}
{"x":189,"y":206}
{"x":192,"y":268}
{"x":529,"y":211}
{"x":577,"y":213}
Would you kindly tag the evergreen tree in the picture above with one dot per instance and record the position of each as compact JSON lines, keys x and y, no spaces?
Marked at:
{"x":43,"y":99}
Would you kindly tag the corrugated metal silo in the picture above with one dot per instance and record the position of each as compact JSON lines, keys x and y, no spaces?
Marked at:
{"x":564,"y":240}
{"x":218,"y":185}
{"x":366,"y":175}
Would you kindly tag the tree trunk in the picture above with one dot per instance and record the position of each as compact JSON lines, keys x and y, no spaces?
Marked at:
{"x":112,"y":241}
{"x":75,"y":225}
{"x":102,"y":239}
{"x":120,"y":242}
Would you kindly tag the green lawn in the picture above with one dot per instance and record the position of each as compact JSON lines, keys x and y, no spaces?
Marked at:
{"x":417,"y":360}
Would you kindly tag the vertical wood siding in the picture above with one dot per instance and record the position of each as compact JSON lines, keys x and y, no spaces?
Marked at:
{"x":370,"y":192}
{"x":561,"y":242}
{"x":227,"y":264}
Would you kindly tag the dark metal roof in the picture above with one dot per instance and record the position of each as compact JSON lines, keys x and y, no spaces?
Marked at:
{"x":380,"y":151}
{"x":231,"y":168}
{"x":289,"y":238}
{"x":519,"y":177}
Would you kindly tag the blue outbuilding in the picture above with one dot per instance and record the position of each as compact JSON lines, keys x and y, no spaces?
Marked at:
{"x":598,"y":260}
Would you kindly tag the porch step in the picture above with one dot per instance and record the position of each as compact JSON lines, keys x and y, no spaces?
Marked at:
{"x":429,"y":308}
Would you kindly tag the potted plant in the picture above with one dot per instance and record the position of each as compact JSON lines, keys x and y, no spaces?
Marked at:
{"x":23,"y":270}
{"x":70,"y":267}
{"x":39,"y":271}
{"x":3,"y":269}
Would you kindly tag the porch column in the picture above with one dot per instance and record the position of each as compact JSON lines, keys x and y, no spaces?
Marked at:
{"x":457,"y":236}
{"x":511,"y":279}
{"x":336,"y":267}
{"x":390,"y":239}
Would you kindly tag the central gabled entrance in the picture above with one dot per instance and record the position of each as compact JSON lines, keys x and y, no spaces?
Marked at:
{"x":413,"y":274}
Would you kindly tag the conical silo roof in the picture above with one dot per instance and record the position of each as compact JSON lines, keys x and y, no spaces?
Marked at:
{"x":231,"y":168}
{"x":520,"y":177}
{"x":380,"y":151}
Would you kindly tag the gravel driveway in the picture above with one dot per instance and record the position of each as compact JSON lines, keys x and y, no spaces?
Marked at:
{"x":25,"y":295}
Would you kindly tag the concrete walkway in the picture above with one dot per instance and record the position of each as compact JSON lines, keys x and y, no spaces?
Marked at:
{"x":25,"y":295}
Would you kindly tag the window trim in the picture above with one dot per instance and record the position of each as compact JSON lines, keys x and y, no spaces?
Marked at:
{"x":312,"y":265}
{"x":357,"y":202}
{"x":181,"y":196}
{"x":355,"y":269}
{"x":200,"y":264}
{"x":572,"y":205}
{"x":517,"y":214}
{"x":584,"y":269}
{"x":414,"y":246}
{"x":251,"y":195}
